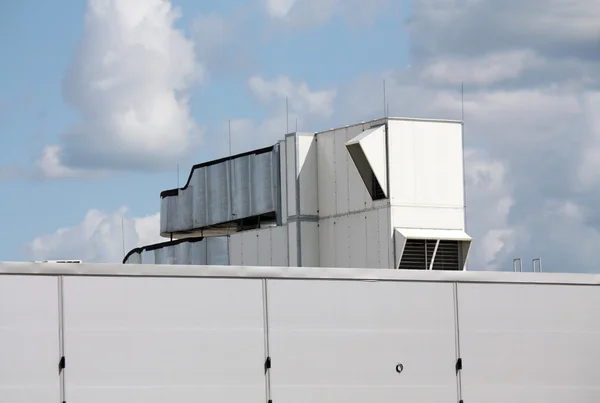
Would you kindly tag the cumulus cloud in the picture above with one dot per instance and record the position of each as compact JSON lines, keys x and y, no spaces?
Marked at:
{"x":129,"y":82}
{"x":308,"y":13}
{"x":301,"y":99}
{"x":307,"y":108}
{"x":98,"y":238}
{"x":221,"y":42}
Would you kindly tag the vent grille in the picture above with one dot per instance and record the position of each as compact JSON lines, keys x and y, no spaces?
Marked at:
{"x":418,"y":253}
{"x":447,"y":256}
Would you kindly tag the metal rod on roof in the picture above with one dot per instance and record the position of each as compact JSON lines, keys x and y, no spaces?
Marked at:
{"x":515,"y":265}
{"x":296,"y":124}
{"x":539,"y":260}
{"x":462,"y":102}
{"x":177,"y":176}
{"x":384,"y":100}
{"x":123,"y":233}
{"x":287,"y":116}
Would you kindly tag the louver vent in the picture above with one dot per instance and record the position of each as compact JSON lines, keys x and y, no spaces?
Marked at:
{"x":419,"y":253}
{"x":447,"y":256}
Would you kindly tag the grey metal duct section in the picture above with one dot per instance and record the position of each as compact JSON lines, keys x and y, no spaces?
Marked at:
{"x":188,"y":251}
{"x":217,"y":192}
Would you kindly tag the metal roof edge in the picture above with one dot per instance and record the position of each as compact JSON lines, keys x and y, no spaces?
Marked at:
{"x":189,"y":271}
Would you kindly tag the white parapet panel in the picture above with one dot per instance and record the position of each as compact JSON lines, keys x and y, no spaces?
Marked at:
{"x":184,"y":340}
{"x":529,"y":343}
{"x":354,"y":342}
{"x":29,"y":339}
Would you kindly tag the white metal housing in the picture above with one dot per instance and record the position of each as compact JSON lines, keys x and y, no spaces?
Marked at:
{"x":388,"y":193}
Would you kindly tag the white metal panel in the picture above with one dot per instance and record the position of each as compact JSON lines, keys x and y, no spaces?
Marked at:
{"x":307,"y":174}
{"x":310,"y":244}
{"x":164,"y":340}
{"x":427,"y":163}
{"x":326,"y":173}
{"x":342,"y":241}
{"x":357,"y":236}
{"x":336,"y":341}
{"x":327,"y":242}
{"x":529,"y":343}
{"x":292,"y":244}
{"x":428,"y":217}
{"x":357,"y":191}
{"x":235,"y":249}
{"x":250,"y":248}
{"x":265,"y":253}
{"x":418,"y":233}
{"x":283,"y":179}
{"x":29,"y":341}
{"x":373,"y":244}
{"x":290,"y":149}
{"x":386,"y":249}
{"x":279,"y":246}
{"x":341,"y":171}
{"x":440,"y":164}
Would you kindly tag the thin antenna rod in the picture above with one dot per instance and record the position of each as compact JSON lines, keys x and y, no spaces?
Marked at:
{"x":229,"y":134}
{"x":177,"y":176}
{"x":123,"y":233}
{"x":384,"y":100}
{"x":287,"y":116}
{"x":462,"y":102}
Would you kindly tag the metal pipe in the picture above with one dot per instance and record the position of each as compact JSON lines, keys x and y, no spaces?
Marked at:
{"x":539,"y":260}
{"x":515,"y":264}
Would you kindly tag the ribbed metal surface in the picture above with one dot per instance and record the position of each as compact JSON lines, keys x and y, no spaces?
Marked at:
{"x":227,"y":190}
{"x":417,"y":254}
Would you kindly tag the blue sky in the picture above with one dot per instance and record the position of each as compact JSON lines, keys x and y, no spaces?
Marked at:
{"x":70,"y":84}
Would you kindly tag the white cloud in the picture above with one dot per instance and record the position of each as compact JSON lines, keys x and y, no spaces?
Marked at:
{"x":485,"y":70}
{"x":98,"y":238}
{"x":301,"y":99}
{"x":308,"y":13}
{"x":279,"y":8}
{"x":129,"y":81}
